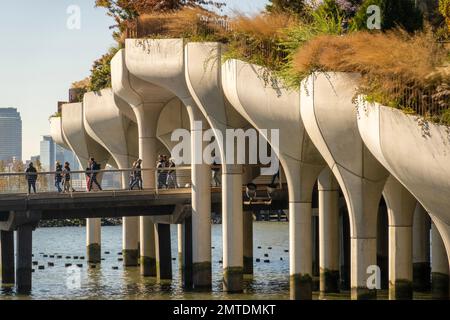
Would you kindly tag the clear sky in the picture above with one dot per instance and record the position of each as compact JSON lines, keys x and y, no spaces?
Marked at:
{"x":40,"y":56}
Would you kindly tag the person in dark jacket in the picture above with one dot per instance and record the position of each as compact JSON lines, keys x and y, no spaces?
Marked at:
{"x":137,"y":175}
{"x":94,"y":168}
{"x":31,"y":174}
{"x":67,"y":183}
{"x":58,"y":176}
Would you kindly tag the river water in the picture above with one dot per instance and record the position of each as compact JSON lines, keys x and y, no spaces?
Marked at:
{"x":111,"y":280}
{"x":271,"y":280}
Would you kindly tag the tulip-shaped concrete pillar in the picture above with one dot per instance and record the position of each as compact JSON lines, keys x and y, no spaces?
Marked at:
{"x":328,"y":232}
{"x":401,"y":205}
{"x":418,"y":157}
{"x":421,"y":249}
{"x":108,"y":125}
{"x":330,"y":119}
{"x":147,"y":101}
{"x":439,"y":266}
{"x":162,"y":63}
{"x":274,"y":108}
{"x":85,"y":147}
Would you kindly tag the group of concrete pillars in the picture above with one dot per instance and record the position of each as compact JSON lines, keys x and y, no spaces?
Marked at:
{"x":17,"y":268}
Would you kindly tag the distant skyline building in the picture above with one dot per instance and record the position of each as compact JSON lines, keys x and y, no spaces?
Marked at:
{"x":47,"y":153}
{"x":10,"y":134}
{"x":50,"y":152}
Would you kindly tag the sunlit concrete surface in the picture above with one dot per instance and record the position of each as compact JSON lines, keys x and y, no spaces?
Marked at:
{"x":330,"y":118}
{"x":266,"y":104}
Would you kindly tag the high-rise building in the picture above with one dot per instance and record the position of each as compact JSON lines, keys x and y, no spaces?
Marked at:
{"x":10,"y":134}
{"x":47,"y":153}
{"x":50,"y":152}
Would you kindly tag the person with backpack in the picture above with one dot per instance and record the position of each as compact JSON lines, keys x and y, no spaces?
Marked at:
{"x":58,"y":176}
{"x":67,"y":180}
{"x":31,"y":175}
{"x":94,"y":168}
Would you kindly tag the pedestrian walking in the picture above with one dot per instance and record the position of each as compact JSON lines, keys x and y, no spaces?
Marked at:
{"x":58,"y":176}
{"x":171,"y":181}
{"x":94,"y":168}
{"x":67,"y":179}
{"x":31,"y":175}
{"x":137,"y":175}
{"x":162,"y":174}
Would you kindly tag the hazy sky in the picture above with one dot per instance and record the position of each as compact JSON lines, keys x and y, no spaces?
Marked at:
{"x":40,"y":57}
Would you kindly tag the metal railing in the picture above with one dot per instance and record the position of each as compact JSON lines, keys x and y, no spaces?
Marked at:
{"x":427,"y":102}
{"x":109,"y":180}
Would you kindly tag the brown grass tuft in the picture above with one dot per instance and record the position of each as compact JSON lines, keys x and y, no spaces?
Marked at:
{"x":395,"y":53}
{"x":263,"y":26}
{"x":188,"y":22}
{"x":399,"y":70}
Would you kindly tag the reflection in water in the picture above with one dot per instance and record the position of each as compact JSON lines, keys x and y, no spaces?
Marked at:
{"x":111,"y":281}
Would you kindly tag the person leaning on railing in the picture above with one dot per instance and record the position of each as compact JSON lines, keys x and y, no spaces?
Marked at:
{"x":31,"y":175}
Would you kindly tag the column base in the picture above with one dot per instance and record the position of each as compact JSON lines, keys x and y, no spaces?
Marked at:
{"x":301,"y":287}
{"x":248,"y":265}
{"x":439,"y":286}
{"x":422,"y":276}
{"x":94,"y":253}
{"x":180,"y":260}
{"x":202,"y":278}
{"x":233,"y":279}
{"x":148,"y":266}
{"x":130,"y":257}
{"x":329,"y":281}
{"x":401,"y":290}
{"x":363,"y":294}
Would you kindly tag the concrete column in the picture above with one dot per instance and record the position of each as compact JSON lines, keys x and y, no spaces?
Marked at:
{"x":187,"y":253}
{"x":363,"y":244}
{"x":130,"y":239}
{"x":163,"y":251}
{"x":421,"y":250}
{"x":201,"y":210}
{"x":248,"y":242}
{"x":148,"y":154}
{"x":180,"y":236}
{"x":232,"y":226}
{"x":148,"y":252}
{"x":23,"y":263}
{"x":401,"y":205}
{"x":400,"y":263}
{"x":301,"y":179}
{"x":7,"y":256}
{"x":93,"y":240}
{"x":328,"y":232}
{"x":439,"y":266}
